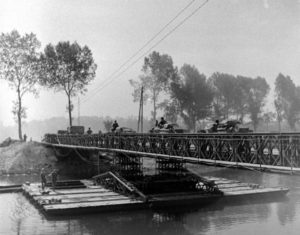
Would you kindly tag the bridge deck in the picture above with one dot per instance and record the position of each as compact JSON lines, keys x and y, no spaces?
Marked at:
{"x":275,"y":151}
{"x":196,"y":159}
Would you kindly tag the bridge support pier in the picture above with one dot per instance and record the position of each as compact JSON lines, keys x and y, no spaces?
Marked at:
{"x":129,"y":166}
{"x":170,"y":165}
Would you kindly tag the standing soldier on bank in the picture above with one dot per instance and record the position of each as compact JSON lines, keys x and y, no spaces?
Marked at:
{"x":53,"y":175}
{"x":43,"y":178}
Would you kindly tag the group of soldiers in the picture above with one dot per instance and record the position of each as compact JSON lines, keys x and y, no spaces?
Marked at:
{"x":114,"y":127}
{"x":53,"y":176}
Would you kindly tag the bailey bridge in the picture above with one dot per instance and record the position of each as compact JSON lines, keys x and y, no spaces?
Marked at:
{"x":264,"y":151}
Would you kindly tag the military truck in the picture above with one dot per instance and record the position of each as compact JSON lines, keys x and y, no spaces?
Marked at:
{"x":76,"y":130}
{"x":230,"y":126}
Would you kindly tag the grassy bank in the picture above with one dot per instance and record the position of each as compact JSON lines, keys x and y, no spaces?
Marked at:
{"x":25,"y":158}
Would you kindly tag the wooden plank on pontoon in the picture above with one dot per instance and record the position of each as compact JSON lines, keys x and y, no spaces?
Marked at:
{"x":90,"y":204}
{"x":83,"y":200}
{"x":236,"y":189}
{"x":60,"y":196}
{"x":256,"y":191}
{"x":78,"y":191}
{"x":225,"y":186}
{"x":218,"y":182}
{"x":69,"y":191}
{"x":214,"y":178}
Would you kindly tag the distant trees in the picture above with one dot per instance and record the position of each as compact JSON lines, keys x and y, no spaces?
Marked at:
{"x":170,"y":109}
{"x":107,"y":124}
{"x":224,"y":86}
{"x":241,"y":95}
{"x":193,"y":95}
{"x":69,"y":68}
{"x":158,"y":71}
{"x":287,"y":100}
{"x":279,"y":112}
{"x":256,"y":97}
{"x":268,"y":117}
{"x":19,"y":65}
{"x":238,"y":96}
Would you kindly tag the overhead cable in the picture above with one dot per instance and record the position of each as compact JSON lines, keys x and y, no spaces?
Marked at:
{"x":107,"y":82}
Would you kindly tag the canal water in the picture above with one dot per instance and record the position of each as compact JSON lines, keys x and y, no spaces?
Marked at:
{"x":262,"y":216}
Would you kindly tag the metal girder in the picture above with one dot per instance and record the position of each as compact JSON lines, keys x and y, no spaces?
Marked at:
{"x":116,"y":183}
{"x":271,"y":149}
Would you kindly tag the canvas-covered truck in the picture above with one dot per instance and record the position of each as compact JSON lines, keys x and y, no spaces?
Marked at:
{"x":168,"y":128}
{"x":230,"y":126}
{"x":73,"y":130}
{"x":62,"y":132}
{"x":76,"y":130}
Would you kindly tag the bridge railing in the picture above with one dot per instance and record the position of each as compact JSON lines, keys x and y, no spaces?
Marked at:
{"x":275,"y":149}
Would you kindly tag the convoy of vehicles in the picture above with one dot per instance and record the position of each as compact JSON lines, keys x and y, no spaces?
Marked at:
{"x":80,"y":130}
{"x":230,"y":126}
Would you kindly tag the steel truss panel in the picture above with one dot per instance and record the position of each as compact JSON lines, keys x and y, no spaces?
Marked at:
{"x":268,"y":149}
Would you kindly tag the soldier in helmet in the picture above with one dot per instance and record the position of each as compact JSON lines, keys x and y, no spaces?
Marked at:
{"x":115,"y":125}
{"x":89,"y":131}
{"x":215,"y":126}
{"x":54,"y":175}
{"x":162,"y":122}
{"x":43,"y":178}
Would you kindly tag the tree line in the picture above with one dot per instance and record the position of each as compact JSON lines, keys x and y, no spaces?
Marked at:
{"x":64,"y":67}
{"x":192,"y":96}
{"x":180,"y":93}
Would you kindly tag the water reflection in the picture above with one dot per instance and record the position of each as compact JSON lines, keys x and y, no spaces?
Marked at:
{"x":220,"y":216}
{"x":137,"y":222}
{"x":287,"y":211}
{"x":20,"y":210}
{"x":260,"y":216}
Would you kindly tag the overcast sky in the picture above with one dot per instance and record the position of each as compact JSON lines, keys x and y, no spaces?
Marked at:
{"x":240,"y":37}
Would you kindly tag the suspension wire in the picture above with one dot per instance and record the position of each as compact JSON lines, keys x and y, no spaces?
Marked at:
{"x":149,"y":41}
{"x":101,"y":87}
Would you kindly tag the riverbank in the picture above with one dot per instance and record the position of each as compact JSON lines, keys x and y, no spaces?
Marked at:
{"x":25,"y":158}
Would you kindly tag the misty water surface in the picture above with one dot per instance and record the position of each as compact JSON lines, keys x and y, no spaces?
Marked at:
{"x":265,"y":216}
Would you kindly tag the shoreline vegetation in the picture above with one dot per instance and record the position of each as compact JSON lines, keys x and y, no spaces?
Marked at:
{"x":28,"y":158}
{"x":17,"y":157}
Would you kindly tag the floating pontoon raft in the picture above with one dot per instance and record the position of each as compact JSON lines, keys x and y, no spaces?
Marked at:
{"x":86,"y":197}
